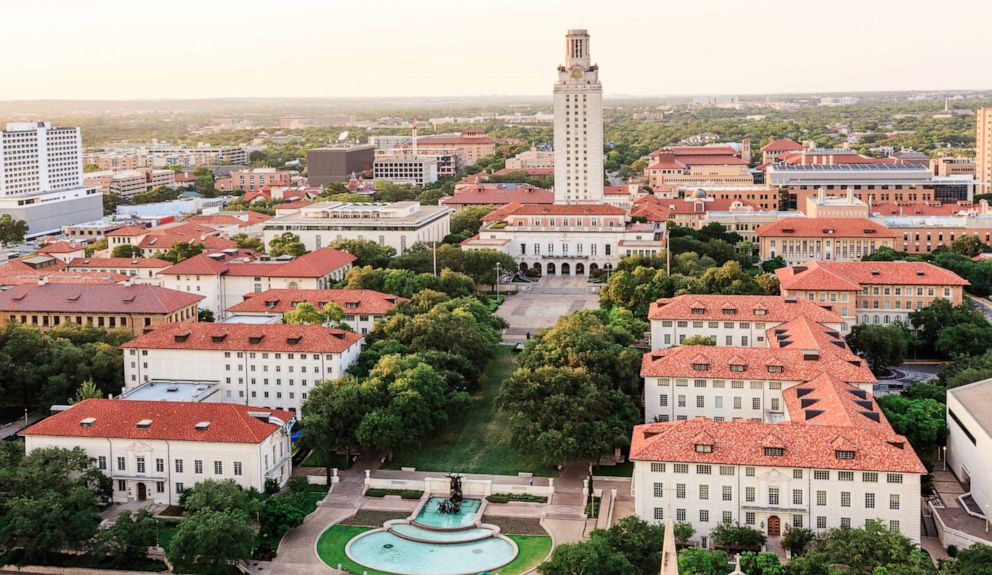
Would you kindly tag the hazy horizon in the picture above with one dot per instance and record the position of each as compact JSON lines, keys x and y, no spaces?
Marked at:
{"x":108,"y":51}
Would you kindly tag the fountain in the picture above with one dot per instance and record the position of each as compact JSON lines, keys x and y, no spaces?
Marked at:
{"x":453,"y":504}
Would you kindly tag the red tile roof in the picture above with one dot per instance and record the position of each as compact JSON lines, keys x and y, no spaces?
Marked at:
{"x":922,"y":209}
{"x":528,"y":171}
{"x":851,"y":276}
{"x":796,"y":364}
{"x":744,"y":442}
{"x":773,"y":309}
{"x":569,"y":210}
{"x":86,"y":298}
{"x":502,"y":212}
{"x":242,"y":219}
{"x":782,"y":145}
{"x":499,"y":194}
{"x":15,"y":267}
{"x":826,"y":400}
{"x":352,"y":301}
{"x":128,"y":231}
{"x":170,"y":420}
{"x":825,"y":227}
{"x":134,"y":263}
{"x":660,"y":209}
{"x":315,"y":264}
{"x":61,"y":277}
{"x":61,"y":247}
{"x":242,"y":337}
{"x":452,"y":140}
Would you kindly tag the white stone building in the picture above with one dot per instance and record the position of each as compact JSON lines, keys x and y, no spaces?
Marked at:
{"x":398,"y":224}
{"x":225,"y":277}
{"x":969,"y":441}
{"x":270,"y":366}
{"x":41,"y":177}
{"x":154,"y":450}
{"x":578,"y":110}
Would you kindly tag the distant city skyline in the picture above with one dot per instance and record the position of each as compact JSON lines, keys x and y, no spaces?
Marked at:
{"x":110,"y":50}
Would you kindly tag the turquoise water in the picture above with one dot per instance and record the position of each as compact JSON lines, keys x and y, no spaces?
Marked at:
{"x":430,"y":516}
{"x":387,"y":552}
{"x":431,"y":536}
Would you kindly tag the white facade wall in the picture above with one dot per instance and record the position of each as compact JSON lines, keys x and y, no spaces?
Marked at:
{"x":162,"y":459}
{"x":672,"y":399}
{"x":273,"y":380}
{"x":578,"y":125}
{"x":359,"y":323}
{"x":968,"y":449}
{"x":800,"y":494}
{"x":400,"y":237}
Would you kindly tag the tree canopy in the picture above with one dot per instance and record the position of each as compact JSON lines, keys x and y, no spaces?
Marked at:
{"x":286,"y":243}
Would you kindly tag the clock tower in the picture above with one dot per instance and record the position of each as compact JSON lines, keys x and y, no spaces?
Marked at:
{"x":578,"y":107}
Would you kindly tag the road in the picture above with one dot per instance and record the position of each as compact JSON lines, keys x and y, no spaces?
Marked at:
{"x":908,"y":375}
{"x":15,"y":426}
{"x":983,"y":304}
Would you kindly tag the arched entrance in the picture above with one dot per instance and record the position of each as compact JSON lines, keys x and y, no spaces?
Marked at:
{"x":523,"y":267}
{"x":774,"y":526}
{"x":537,"y":267}
{"x":551,"y":268}
{"x":580,"y":269}
{"x":565,"y":270}
{"x":593,"y":268}
{"x":142,"y":492}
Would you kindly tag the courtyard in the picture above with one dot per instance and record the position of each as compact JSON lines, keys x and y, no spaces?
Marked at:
{"x":539,"y":305}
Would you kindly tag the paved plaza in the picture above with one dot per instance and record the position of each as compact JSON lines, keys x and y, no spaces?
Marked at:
{"x":539,"y":305}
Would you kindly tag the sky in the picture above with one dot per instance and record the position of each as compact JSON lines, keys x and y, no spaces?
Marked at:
{"x":123,"y":49}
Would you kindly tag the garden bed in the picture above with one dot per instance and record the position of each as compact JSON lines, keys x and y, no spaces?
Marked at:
{"x":522,"y":497}
{"x":516,"y":525}
{"x":370,"y":518}
{"x":403,"y":493}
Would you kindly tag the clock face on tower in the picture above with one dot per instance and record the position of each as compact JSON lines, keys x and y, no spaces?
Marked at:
{"x":577,"y":72}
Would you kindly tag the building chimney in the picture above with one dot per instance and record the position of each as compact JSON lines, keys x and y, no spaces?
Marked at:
{"x":850,"y":194}
{"x":821,"y":195}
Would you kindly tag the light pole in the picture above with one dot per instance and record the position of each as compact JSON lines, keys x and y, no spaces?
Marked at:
{"x":944,"y":449}
{"x":434,"y":251}
{"x":986,"y":517}
{"x":25,"y":417}
{"x":497,"y":279}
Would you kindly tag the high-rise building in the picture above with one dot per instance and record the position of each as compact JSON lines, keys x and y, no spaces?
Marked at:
{"x":983,"y":149}
{"x":41,"y":177}
{"x":578,"y":106}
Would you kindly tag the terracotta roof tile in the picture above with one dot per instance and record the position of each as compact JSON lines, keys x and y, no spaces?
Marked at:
{"x":87,"y":298}
{"x":138,"y":263}
{"x":749,"y":308}
{"x":825,"y":227}
{"x":246,"y":337}
{"x":352,"y":301}
{"x":315,"y":264}
{"x":61,"y":247}
{"x":499,"y":194}
{"x":170,"y":420}
{"x":782,"y":145}
{"x":851,"y":276}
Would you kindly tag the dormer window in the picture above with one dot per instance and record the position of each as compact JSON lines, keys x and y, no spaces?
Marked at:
{"x":698,"y":311}
{"x":775,"y":369}
{"x":738,"y":367}
{"x":844,"y":454}
{"x":704,"y":448}
{"x":760,"y":311}
{"x":701,"y":366}
{"x":774,"y":451}
{"x":729,"y":311}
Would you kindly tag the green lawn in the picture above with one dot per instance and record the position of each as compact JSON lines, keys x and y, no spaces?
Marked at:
{"x":533,"y":549}
{"x":477,"y":441}
{"x":625,"y":469}
{"x":314,"y":460}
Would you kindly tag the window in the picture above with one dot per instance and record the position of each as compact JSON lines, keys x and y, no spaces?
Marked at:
{"x":869,"y":477}
{"x":797,"y":473}
{"x":749,"y":471}
{"x":218,"y":468}
{"x":198,"y":466}
{"x":749,"y":518}
{"x":121,"y":485}
{"x":704,"y":469}
{"x":755,"y":403}
{"x":893,"y":478}
{"x":845,"y":498}
{"x":704,"y":516}
{"x":797,"y":521}
{"x":845,"y":522}
{"x":797,"y":496}
{"x":663,"y":400}
{"x":894,"y":501}
{"x":845,"y":476}
{"x":179,"y":466}
{"x":102,"y":462}
{"x":774,"y":451}
{"x":821,"y":522}
{"x":869,"y":500}
{"x":681,"y":468}
{"x":657,"y":467}
{"x":659,"y":514}
{"x":159,"y":487}
{"x":821,"y":474}
{"x":680,"y":514}
{"x":749,"y":494}
{"x":893,"y":525}
{"x":821,"y":498}
{"x":659,"y":490}
{"x":728,"y":493}
{"x":237,"y":468}
{"x":121,"y":464}
{"x":179,"y":488}
{"x":773,"y":495}
{"x":680,"y":490}
{"x":704,"y":492}
{"x":726,"y":470}
{"x":140,"y":464}
{"x":844,"y":454}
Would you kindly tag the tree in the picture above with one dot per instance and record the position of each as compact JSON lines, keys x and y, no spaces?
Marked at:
{"x":586,"y":558}
{"x":637,"y":540}
{"x":332,"y":413}
{"x":99,"y":245}
{"x":213,"y":495}
{"x":467,"y":223}
{"x":965,"y":338}
{"x":405,"y":283}
{"x":304,"y":313}
{"x":969,"y":246}
{"x":246,"y":242}
{"x":702,"y":562}
{"x":49,"y":501}
{"x":882,"y":346}
{"x":796,"y":539}
{"x":699,"y":340}
{"x":210,"y":542}
{"x":773,"y":264}
{"x":287,"y":243}
{"x":683,"y":532}
{"x":87,"y":390}
{"x":559,"y":414}
{"x":128,"y":539}
{"x":761,"y":563}
{"x":866,"y":550}
{"x":941,"y":314}
{"x":181,"y":251}
{"x":972,"y":560}
{"x":12,"y":230}
{"x":367,"y":252}
{"x":922,"y":421}
{"x":737,"y":537}
{"x":126,"y":251}
{"x":205,"y":315}
{"x":280,"y":513}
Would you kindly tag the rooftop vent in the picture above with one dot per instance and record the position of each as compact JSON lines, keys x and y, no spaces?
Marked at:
{"x":791,"y":299}
{"x":865,"y":404}
{"x":811,"y":413}
{"x":172,"y":388}
{"x":875,"y":272}
{"x":87,"y":422}
{"x":144,"y":424}
{"x":803,"y":391}
{"x":808,"y":401}
{"x":255,"y":339}
{"x":202,"y":426}
{"x":181,"y":337}
{"x":921,"y":273}
{"x":294,"y":339}
{"x":811,"y":355}
{"x":218,"y":338}
{"x":872,"y":415}
{"x":859,"y":393}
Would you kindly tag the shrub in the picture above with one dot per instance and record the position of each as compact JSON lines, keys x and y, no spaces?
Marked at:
{"x":411,"y":494}
{"x":952,"y":550}
{"x":737,"y":537}
{"x":507,"y":497}
{"x":375,"y":492}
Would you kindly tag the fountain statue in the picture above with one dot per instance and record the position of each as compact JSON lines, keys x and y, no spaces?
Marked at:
{"x":453,"y":504}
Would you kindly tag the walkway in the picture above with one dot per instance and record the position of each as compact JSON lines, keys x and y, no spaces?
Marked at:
{"x":540,"y":304}
{"x":18,"y":424}
{"x":297,"y":553}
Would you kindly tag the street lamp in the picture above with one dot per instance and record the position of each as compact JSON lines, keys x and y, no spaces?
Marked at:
{"x":497,"y":279}
{"x":944,"y":448}
{"x":986,"y":517}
